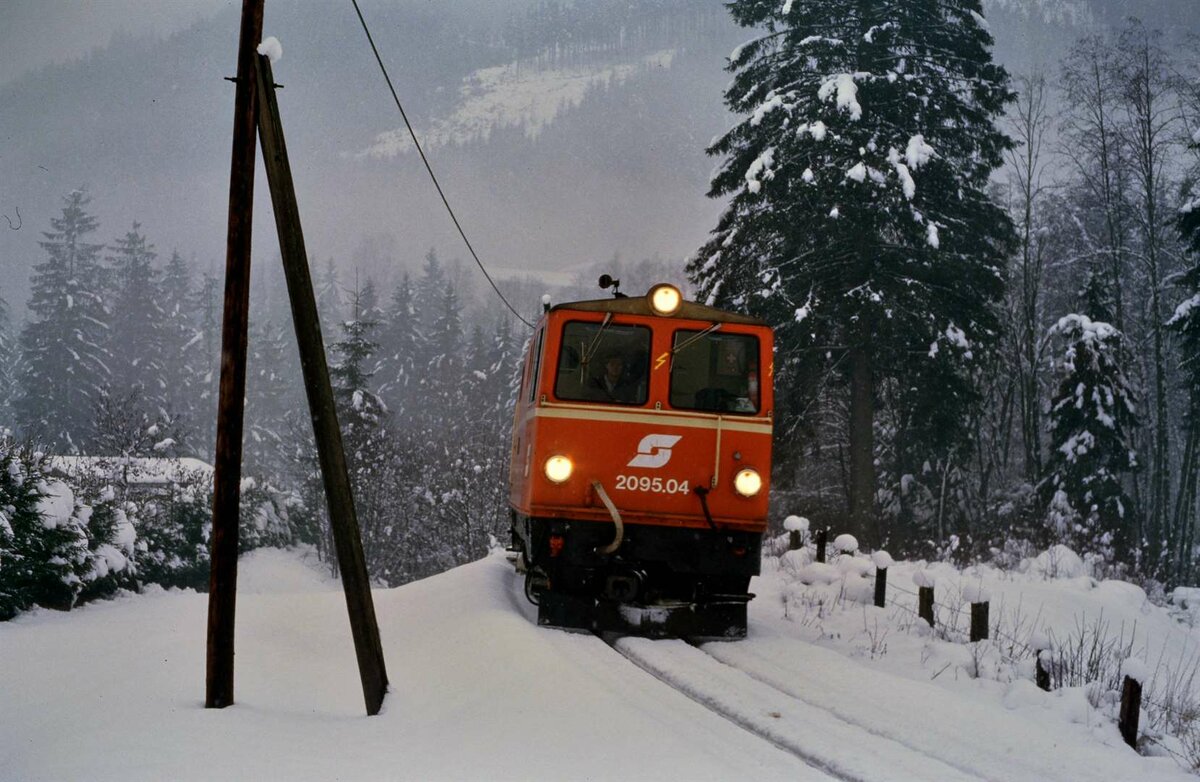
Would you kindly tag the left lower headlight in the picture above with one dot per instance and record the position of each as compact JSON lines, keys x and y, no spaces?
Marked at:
{"x":558,"y":468}
{"x":747,"y":482}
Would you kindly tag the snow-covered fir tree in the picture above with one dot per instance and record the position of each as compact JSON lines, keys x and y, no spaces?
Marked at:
{"x":402,"y":346}
{"x":330,"y":304}
{"x":268,"y":383}
{"x":859,"y":223}
{"x":360,"y":410}
{"x":138,"y":323}
{"x":65,"y":362}
{"x":184,"y":362}
{"x":1092,"y":415}
{"x":43,"y":539}
{"x":431,"y":288}
{"x":8,"y":355}
{"x":1185,"y":322}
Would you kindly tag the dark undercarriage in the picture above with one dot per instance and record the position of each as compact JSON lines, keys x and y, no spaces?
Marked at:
{"x":660,"y":582}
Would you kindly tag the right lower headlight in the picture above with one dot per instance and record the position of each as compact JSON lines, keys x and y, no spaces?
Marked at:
{"x":558,"y":468}
{"x":747,"y":482}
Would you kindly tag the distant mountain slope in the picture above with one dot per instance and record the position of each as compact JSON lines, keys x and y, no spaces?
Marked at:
{"x":564,"y":133}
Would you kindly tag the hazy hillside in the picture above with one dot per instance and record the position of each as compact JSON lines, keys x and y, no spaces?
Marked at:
{"x":562,"y":137}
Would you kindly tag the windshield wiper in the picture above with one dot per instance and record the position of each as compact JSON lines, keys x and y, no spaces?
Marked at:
{"x":694,"y":338}
{"x":590,"y":350}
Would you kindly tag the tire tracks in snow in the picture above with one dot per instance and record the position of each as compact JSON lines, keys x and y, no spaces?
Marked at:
{"x":815,"y":735}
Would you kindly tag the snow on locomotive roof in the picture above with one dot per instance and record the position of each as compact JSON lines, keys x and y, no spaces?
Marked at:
{"x":639,"y":305}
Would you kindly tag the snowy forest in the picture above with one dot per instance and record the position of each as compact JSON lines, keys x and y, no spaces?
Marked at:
{"x":985,"y":288}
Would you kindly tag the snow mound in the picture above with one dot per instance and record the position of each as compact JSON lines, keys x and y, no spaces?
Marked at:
{"x":1056,"y":562}
{"x":278,"y":571}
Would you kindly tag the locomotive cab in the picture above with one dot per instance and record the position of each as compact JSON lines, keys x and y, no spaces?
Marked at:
{"x":640,"y":465}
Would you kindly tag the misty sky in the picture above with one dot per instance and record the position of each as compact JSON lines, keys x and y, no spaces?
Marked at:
{"x":145,"y":129}
{"x":34,"y":33}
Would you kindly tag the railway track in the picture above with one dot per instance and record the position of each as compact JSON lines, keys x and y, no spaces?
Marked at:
{"x":815,"y":735}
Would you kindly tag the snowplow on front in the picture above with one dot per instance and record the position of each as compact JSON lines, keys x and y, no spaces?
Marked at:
{"x":640,"y":463}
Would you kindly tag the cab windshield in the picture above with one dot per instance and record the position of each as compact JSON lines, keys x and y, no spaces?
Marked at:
{"x":715,"y":372}
{"x":603,"y":362}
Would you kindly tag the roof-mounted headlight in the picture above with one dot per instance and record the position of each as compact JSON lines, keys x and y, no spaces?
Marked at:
{"x":665,"y":299}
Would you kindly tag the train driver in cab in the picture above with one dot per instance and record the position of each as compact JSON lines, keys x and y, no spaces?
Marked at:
{"x":613,"y":384}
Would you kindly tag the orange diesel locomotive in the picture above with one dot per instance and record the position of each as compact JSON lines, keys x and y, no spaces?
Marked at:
{"x":640,"y":461}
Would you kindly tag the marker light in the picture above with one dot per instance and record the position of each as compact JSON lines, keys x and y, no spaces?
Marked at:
{"x":665,"y":299}
{"x":558,"y":468}
{"x":747,"y":482}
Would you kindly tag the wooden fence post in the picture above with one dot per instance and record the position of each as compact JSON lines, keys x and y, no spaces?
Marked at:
{"x":979,"y":621}
{"x":796,"y":526}
{"x":925,"y":603}
{"x":882,"y":561}
{"x":1043,"y":672}
{"x":1131,"y":707}
{"x":822,"y":537}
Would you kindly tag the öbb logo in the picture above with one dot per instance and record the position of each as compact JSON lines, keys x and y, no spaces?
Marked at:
{"x":654,"y":451}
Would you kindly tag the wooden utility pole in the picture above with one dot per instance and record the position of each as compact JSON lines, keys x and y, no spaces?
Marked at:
{"x":227,"y":463}
{"x":255,"y":107}
{"x":322,"y":410}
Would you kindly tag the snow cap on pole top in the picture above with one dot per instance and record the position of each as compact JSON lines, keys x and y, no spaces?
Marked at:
{"x":795,"y":524}
{"x":882,"y":560}
{"x":271,"y":47}
{"x":924,"y":578}
{"x":1135,"y":669}
{"x":976,"y":593}
{"x":847,"y":544}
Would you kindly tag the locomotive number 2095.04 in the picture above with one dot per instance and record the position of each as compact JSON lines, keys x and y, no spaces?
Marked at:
{"x":646,"y":483}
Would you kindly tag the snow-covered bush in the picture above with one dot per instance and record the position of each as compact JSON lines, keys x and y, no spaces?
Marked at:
{"x":43,"y":544}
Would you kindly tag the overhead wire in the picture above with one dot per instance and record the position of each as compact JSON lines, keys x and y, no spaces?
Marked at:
{"x":429,"y":168}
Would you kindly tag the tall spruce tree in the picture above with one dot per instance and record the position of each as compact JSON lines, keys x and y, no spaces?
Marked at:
{"x":1092,"y":415}
{"x":402,"y":346}
{"x":859,"y":222}
{"x":65,"y":362}
{"x":183,"y":349}
{"x":138,"y":325}
{"x":1185,"y":322}
{"x":8,"y":354}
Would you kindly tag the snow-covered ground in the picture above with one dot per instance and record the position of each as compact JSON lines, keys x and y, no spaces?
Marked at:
{"x":114,"y":690}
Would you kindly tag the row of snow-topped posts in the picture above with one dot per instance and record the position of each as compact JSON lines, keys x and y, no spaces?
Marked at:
{"x":1134,"y":672}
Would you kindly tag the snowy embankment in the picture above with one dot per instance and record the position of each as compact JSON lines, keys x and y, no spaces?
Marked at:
{"x":114,"y":690}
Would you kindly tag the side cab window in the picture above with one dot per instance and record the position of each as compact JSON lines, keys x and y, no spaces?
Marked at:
{"x":535,"y":367}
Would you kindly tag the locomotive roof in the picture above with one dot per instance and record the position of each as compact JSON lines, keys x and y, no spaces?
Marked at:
{"x":640,"y":305}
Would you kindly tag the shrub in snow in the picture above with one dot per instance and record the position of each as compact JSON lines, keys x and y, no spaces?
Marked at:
{"x":173,"y":535}
{"x":43,"y":544}
{"x":111,"y":546}
{"x":1091,"y":416}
